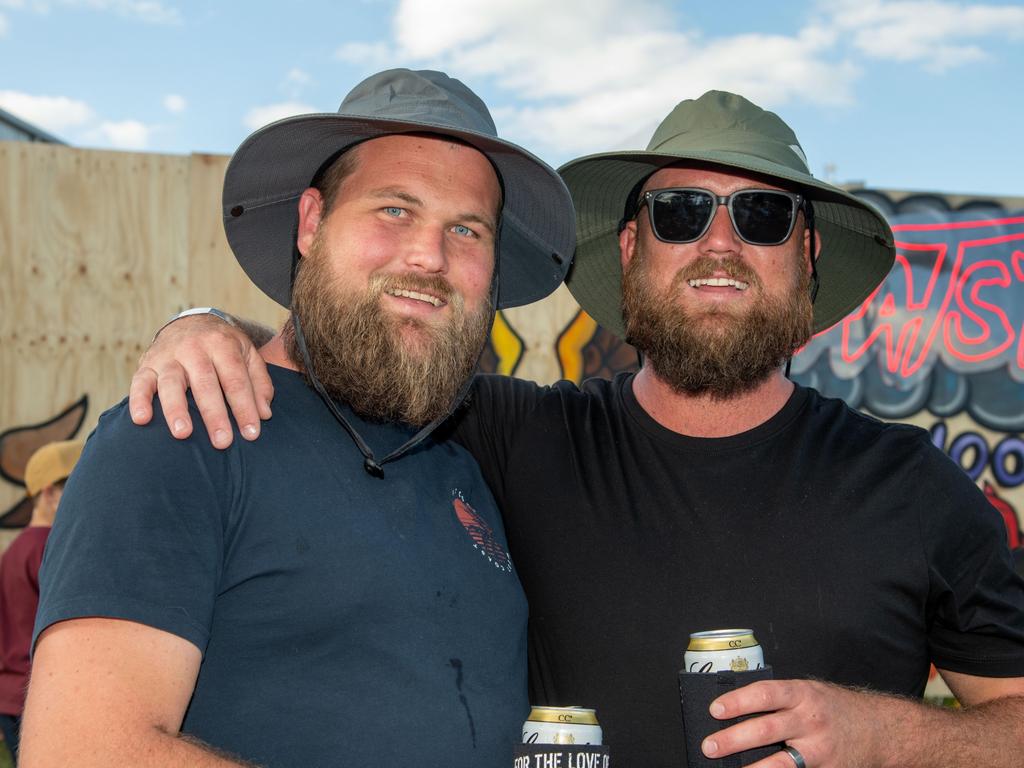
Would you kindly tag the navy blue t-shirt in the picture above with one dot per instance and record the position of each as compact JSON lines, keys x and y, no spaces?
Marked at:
{"x":344,"y":619}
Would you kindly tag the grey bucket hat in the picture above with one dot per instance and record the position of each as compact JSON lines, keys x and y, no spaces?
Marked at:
{"x":726,"y":130}
{"x":272,"y":167}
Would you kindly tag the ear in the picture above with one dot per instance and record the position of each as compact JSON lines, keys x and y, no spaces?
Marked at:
{"x":627,"y":243}
{"x":311,"y":206}
{"x":807,"y":246}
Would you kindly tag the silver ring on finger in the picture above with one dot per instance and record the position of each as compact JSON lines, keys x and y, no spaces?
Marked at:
{"x":795,"y":754}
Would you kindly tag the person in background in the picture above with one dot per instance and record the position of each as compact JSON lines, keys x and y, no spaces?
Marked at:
{"x":47,"y":470}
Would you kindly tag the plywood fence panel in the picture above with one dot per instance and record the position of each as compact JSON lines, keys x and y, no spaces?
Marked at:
{"x":214,"y":275}
{"x":97,"y":250}
{"x":94,"y":257}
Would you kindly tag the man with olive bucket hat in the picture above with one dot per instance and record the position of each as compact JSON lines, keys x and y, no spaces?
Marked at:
{"x":340,"y":592}
{"x":707,"y":491}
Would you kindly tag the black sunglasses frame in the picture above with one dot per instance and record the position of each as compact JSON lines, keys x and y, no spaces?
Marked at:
{"x":717,"y":200}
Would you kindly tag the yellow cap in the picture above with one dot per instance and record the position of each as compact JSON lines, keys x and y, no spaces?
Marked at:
{"x":51,"y":464}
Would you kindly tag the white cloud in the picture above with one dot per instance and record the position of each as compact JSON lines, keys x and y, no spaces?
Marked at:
{"x":52,"y":113}
{"x":257,"y":117}
{"x":583,"y":75}
{"x":938,"y":34}
{"x":297,"y":76}
{"x":590,"y":75}
{"x":174,"y":103}
{"x":125,"y":134}
{"x":61,"y":115}
{"x":295,"y":81}
{"x":148,"y":11}
{"x":372,"y":56}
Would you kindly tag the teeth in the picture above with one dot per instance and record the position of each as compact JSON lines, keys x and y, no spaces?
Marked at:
{"x":719,"y":282}
{"x":418,"y":296}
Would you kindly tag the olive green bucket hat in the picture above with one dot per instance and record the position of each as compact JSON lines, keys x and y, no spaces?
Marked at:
{"x":726,"y":130}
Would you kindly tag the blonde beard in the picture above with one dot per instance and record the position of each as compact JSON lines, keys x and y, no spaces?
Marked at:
{"x":721,"y":354}
{"x":364,"y":356}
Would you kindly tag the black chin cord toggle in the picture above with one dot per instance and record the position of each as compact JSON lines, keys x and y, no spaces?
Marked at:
{"x":373,"y":468}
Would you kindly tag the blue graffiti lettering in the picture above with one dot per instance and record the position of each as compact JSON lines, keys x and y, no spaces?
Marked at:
{"x":972,"y":453}
{"x":962,"y":447}
{"x":1009,"y":451}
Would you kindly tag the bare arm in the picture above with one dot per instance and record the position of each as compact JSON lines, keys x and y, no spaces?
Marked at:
{"x":216,"y":361}
{"x":837,"y":727}
{"x":109,"y":692}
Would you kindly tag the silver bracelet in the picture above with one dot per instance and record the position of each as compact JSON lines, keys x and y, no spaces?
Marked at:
{"x":198,"y":311}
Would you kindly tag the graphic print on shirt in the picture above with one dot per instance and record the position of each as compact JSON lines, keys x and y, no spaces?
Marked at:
{"x":481,"y":534}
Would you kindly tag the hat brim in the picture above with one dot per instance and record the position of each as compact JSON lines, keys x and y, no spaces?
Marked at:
{"x":857,"y":246}
{"x":270,"y":170}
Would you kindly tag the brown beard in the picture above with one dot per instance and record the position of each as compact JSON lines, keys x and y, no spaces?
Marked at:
{"x":367,"y":358}
{"x":716,"y":353}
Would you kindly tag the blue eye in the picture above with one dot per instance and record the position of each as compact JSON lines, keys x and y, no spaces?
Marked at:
{"x":393,"y":210}
{"x":462,"y":229}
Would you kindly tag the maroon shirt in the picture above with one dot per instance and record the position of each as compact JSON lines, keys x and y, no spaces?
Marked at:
{"x":19,"y":598}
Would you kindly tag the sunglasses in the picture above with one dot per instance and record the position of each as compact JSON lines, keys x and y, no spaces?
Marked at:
{"x":684,"y":214}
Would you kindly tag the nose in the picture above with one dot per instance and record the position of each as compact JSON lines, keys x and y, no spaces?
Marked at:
{"x":426,"y":250}
{"x":721,"y":236}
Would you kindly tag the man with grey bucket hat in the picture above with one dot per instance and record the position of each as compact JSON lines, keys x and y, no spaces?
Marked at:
{"x":708,"y":491}
{"x":340,"y":592}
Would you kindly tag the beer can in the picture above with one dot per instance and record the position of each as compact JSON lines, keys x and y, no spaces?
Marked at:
{"x":561,"y":725}
{"x":723,"y":650}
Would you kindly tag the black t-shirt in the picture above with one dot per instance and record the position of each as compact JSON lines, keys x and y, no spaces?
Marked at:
{"x":855,"y":550}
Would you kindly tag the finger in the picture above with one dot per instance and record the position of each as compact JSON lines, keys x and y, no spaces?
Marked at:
{"x":171,"y":385}
{"x":760,"y":731}
{"x":778,"y":759}
{"x":762,"y":696}
{"x":239,"y":392}
{"x":261,"y":383}
{"x":209,"y":398}
{"x":140,"y":395}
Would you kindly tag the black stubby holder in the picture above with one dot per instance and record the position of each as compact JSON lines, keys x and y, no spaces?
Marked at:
{"x":562,"y":755}
{"x":696,"y":692}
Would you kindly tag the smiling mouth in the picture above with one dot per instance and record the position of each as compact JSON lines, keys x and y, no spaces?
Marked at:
{"x":718,"y":282}
{"x":416,"y":296}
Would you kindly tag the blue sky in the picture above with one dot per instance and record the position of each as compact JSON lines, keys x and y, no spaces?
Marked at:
{"x":902,"y":94}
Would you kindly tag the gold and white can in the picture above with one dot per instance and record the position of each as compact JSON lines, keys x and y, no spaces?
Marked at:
{"x":562,"y":725}
{"x":723,"y":650}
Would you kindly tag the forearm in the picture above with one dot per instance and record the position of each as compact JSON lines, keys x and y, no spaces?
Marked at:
{"x":833,"y":726}
{"x":108,"y":692}
{"x":923,"y":736}
{"x":154,"y":748}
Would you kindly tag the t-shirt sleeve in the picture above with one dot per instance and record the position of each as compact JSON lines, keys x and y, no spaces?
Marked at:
{"x":490,"y":423}
{"x":976,"y":598}
{"x":139,"y":532}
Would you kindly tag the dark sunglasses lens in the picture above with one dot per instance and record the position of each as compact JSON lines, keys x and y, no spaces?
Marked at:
{"x":763,"y":218}
{"x":680,"y":215}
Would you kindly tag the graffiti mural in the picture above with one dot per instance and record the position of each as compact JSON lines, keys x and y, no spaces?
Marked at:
{"x":17,"y":446}
{"x":941,"y":344}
